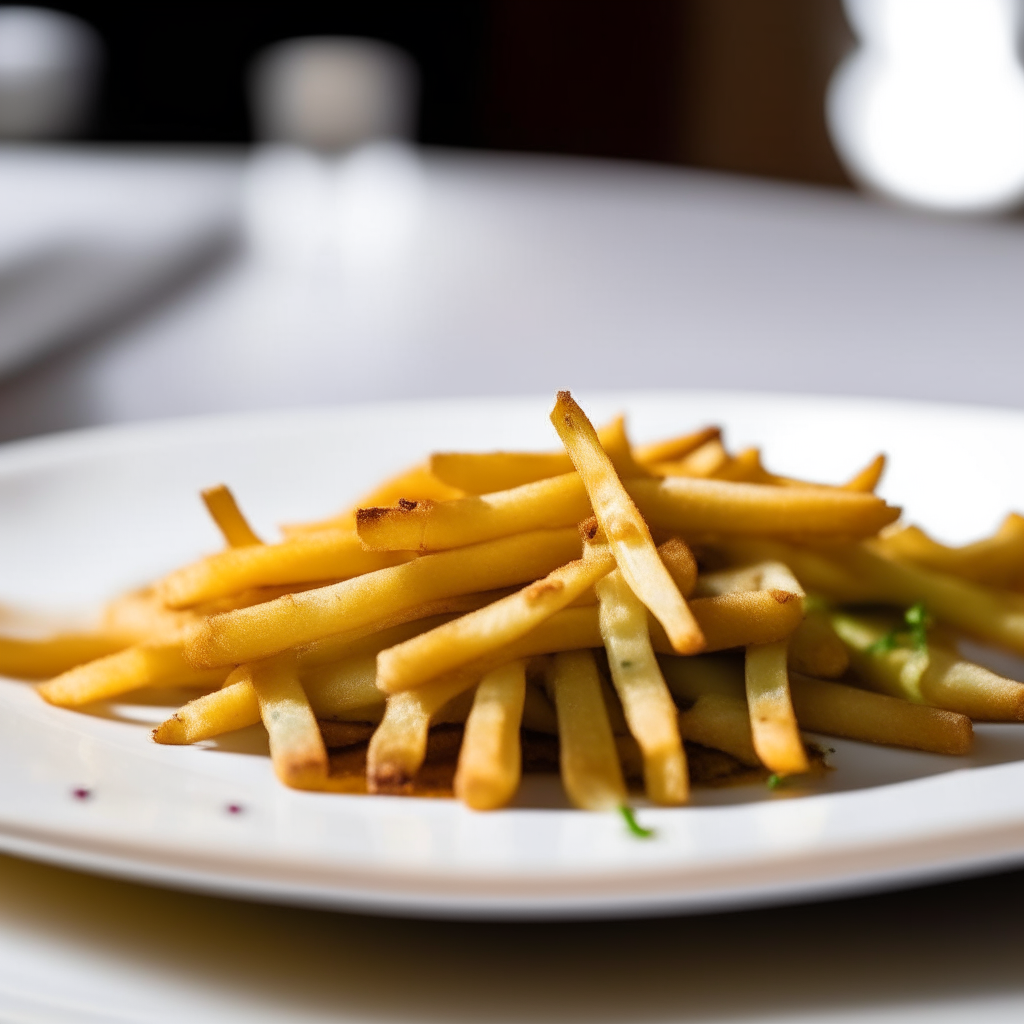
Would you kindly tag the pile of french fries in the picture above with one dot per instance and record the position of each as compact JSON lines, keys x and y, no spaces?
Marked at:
{"x":626,"y":614}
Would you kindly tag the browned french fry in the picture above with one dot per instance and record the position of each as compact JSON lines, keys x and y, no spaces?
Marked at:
{"x":233,"y":707}
{"x":646,"y":701}
{"x":675,"y":448}
{"x":704,"y":461}
{"x":772,"y":720}
{"x":867,"y":479}
{"x":53,"y":655}
{"x":135,"y":667}
{"x":624,"y":527}
{"x":591,"y":772}
{"x":816,"y":650}
{"x":296,"y":746}
{"x":722,"y":722}
{"x":330,"y":555}
{"x":258,"y":632}
{"x":743,"y":618}
{"x":224,"y":510}
{"x":838,"y":710}
{"x":490,"y":761}
{"x":479,"y":633}
{"x":681,"y":564}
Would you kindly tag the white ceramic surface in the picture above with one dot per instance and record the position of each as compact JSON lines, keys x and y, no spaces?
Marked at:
{"x":85,"y":515}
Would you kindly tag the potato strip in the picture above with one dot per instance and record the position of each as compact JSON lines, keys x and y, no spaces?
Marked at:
{"x":722,"y":722}
{"x":591,"y":772}
{"x":490,"y":760}
{"x":258,"y":632}
{"x":646,"y":701}
{"x":816,"y":649}
{"x":224,"y":511}
{"x":624,"y":527}
{"x":45,"y":658}
{"x":474,"y":635}
{"x":772,"y":720}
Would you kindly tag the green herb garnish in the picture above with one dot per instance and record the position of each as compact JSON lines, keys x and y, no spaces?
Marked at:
{"x":633,"y":825}
{"x":773,"y":781}
{"x":917,"y":621}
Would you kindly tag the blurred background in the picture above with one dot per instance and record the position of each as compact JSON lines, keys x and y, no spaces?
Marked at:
{"x":210,"y":208}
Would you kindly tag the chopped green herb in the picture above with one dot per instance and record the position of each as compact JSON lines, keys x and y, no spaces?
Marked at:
{"x":633,"y":825}
{"x":917,"y":619}
{"x":814,"y":603}
{"x":625,"y":664}
{"x":886,"y":643}
{"x":773,"y":781}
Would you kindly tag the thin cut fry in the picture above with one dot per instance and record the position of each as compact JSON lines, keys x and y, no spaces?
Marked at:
{"x":681,"y":564}
{"x":815,"y":648}
{"x":722,"y":722}
{"x":224,"y":510}
{"x":225,"y":710}
{"x":296,"y":745}
{"x":704,"y":461}
{"x":624,"y":527}
{"x":43,"y":659}
{"x":258,"y":632}
{"x":490,"y":761}
{"x":646,"y":701}
{"x":868,"y":478}
{"x":591,"y":773}
{"x":772,"y":721}
{"x":675,"y":447}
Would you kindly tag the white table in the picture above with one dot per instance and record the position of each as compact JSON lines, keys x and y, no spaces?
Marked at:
{"x":515,"y":275}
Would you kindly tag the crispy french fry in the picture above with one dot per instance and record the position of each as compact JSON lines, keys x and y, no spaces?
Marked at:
{"x":415,"y":484}
{"x":705,"y":461}
{"x":296,"y":745}
{"x":838,"y":710}
{"x":745,"y":617}
{"x":816,"y":650}
{"x":624,"y":527}
{"x":646,"y":701}
{"x":591,"y":773}
{"x":722,"y":722}
{"x":772,"y":720}
{"x":330,"y":555}
{"x":344,"y":734}
{"x":681,"y":564}
{"x":258,"y":632}
{"x":233,"y":707}
{"x":224,"y":511}
{"x":131,"y":669}
{"x":481,"y":632}
{"x":675,"y":448}
{"x":142,"y":615}
{"x":490,"y":761}
{"x":53,"y":655}
{"x":996,"y":561}
{"x":744,"y":468}
{"x":335,"y":690}
{"x":868,"y":478}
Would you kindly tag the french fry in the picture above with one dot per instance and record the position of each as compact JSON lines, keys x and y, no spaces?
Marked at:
{"x":296,"y":745}
{"x":744,"y":468}
{"x":625,"y":529}
{"x":501,"y":471}
{"x":933,"y":675}
{"x":815,"y":648}
{"x":591,"y":773}
{"x":705,"y":461}
{"x":54,"y":655}
{"x":675,"y":448}
{"x":224,"y":511}
{"x":330,"y":555}
{"x":743,"y":618}
{"x":233,"y":707}
{"x":772,"y":720}
{"x":689,"y":679}
{"x":415,"y":484}
{"x":252,"y":633}
{"x":478,"y":633}
{"x":868,"y":478}
{"x":143,"y":665}
{"x":646,"y":701}
{"x":996,"y":561}
{"x":680,"y":563}
{"x":334,"y":690}
{"x":838,"y":710}
{"x":142,"y":615}
{"x":722,"y":722}
{"x":490,"y":761}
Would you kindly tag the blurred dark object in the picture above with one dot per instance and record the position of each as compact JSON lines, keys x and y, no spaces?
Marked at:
{"x":736,"y":85}
{"x":48,"y":68}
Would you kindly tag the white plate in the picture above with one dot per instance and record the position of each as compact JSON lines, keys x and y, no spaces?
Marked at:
{"x":88,"y":514}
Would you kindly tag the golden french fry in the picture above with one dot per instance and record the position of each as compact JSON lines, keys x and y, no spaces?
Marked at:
{"x":675,"y":448}
{"x":838,"y":710}
{"x":743,"y":468}
{"x":815,"y":648}
{"x":591,"y":773}
{"x":258,"y":632}
{"x":646,"y":701}
{"x":624,"y":527}
{"x":745,"y":617}
{"x":681,"y":564}
{"x":490,"y":761}
{"x":722,"y":722}
{"x":867,"y":479}
{"x":233,"y":707}
{"x":296,"y":745}
{"x":415,"y":484}
{"x":53,"y":655}
{"x":142,"y":615}
{"x":135,"y":667}
{"x":337,"y":689}
{"x":331,"y":555}
{"x":224,"y":510}
{"x":772,"y":720}
{"x":996,"y":561}
{"x":479,"y":633}
{"x":705,"y":461}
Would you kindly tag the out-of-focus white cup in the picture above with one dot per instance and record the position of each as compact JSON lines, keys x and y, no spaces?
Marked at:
{"x":49,"y":67}
{"x":332,"y":94}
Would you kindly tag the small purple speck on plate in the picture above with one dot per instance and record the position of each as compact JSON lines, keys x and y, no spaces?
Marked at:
{"x":235,"y":808}
{"x":81,"y":794}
